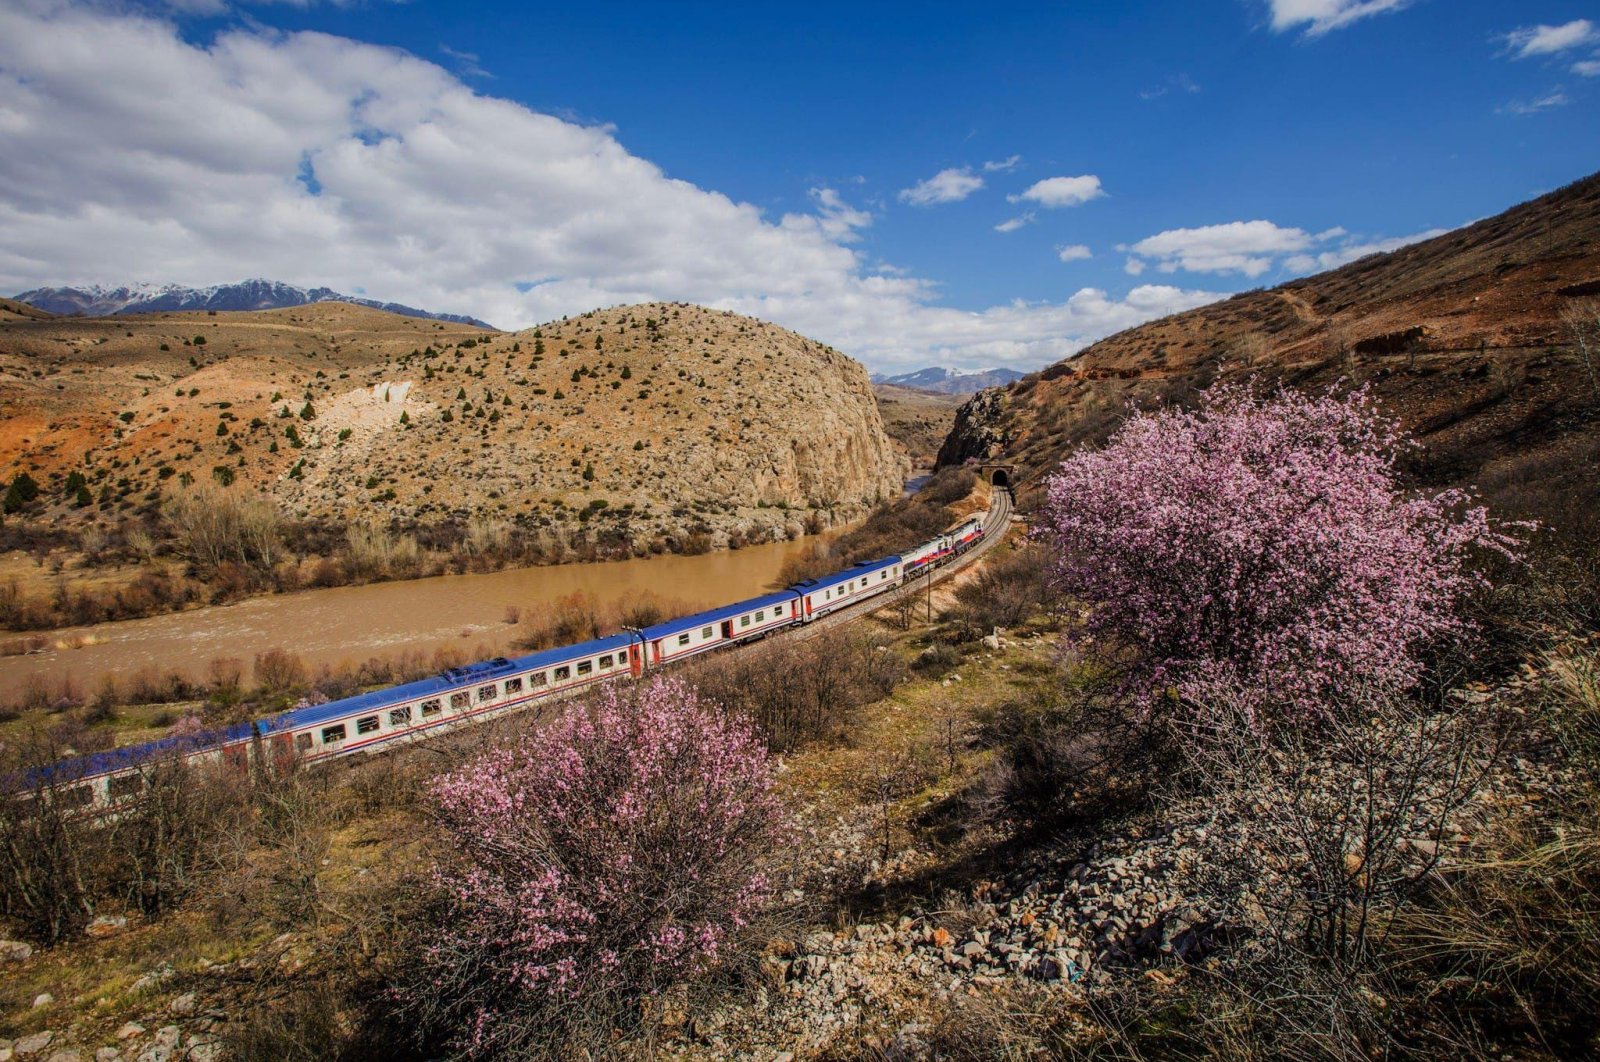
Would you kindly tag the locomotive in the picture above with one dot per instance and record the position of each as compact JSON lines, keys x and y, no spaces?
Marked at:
{"x":459,"y":696}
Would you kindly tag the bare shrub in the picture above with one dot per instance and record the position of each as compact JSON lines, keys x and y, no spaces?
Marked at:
{"x":799,"y":691}
{"x":51,"y":871}
{"x":214,"y":528}
{"x":167,"y":839}
{"x":225,"y":675}
{"x":279,"y":670}
{"x":486,"y":536}
{"x":1006,"y":592}
{"x":1348,"y":817}
{"x":1582,"y":321}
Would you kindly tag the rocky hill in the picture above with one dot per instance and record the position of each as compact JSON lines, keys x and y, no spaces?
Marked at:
{"x":643,"y":426}
{"x":1467,"y":338}
{"x":101,"y":301}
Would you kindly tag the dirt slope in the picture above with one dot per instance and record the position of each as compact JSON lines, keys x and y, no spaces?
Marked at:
{"x":630,"y":423}
{"x":1460,"y":336}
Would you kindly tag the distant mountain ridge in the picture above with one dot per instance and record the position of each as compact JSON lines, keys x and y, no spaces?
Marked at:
{"x":254,"y":294}
{"x":948,"y":381}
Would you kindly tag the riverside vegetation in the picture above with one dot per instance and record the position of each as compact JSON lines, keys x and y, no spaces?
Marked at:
{"x":1272,"y":756}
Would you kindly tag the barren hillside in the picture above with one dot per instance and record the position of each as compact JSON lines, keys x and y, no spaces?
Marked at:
{"x":1462,"y":337}
{"x":638,"y":425}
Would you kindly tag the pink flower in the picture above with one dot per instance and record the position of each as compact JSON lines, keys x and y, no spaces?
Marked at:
{"x":1261,"y":549}
{"x":607,"y":851}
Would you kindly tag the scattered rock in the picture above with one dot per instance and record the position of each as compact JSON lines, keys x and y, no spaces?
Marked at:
{"x":14,"y":950}
{"x":130,"y":1030}
{"x":43,"y":999}
{"x":183,"y":1006}
{"x":32,"y":1045}
{"x":106,"y":926}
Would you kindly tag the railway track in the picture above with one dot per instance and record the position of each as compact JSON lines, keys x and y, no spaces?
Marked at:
{"x":94,"y":781}
{"x":995,"y":529}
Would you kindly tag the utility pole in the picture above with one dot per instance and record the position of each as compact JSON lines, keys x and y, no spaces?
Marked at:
{"x":644,"y":661}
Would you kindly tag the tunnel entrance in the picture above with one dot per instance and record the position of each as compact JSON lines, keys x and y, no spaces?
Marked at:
{"x":999,"y":478}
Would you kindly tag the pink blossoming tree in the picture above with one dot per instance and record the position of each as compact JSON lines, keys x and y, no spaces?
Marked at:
{"x":1259,"y":550}
{"x":596,"y":859}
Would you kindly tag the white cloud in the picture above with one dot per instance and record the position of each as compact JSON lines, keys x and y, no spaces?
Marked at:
{"x":1553,"y":98}
{"x":1547,"y":40}
{"x":1075,"y":253}
{"x":1005,"y":165}
{"x":838,"y":220}
{"x":1252,"y":248}
{"x":946,"y":186}
{"x":1180,"y":82}
{"x":1247,"y":247}
{"x":1320,"y":16}
{"x":1013,"y":224}
{"x":1061,"y":191}
{"x":132,"y":154}
{"x":1587,"y":67}
{"x":467,"y":64}
{"x":1349,"y":252}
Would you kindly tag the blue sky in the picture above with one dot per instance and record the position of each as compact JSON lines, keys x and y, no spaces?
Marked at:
{"x":934,"y":183}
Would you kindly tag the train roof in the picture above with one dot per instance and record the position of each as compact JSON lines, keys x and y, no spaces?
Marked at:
{"x":98,"y":763}
{"x":855,"y":571}
{"x":445,"y":681}
{"x":715,"y":615}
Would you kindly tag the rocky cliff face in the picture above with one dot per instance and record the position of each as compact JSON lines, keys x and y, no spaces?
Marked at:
{"x":640,"y":426}
{"x":979,"y":431}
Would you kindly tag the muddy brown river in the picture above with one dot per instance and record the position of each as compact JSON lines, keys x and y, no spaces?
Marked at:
{"x":353,"y":623}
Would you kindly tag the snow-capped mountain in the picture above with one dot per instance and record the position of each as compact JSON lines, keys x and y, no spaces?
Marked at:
{"x":101,"y":301}
{"x":950,"y":381}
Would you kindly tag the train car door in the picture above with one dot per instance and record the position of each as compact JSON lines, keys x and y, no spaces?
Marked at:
{"x":727,"y":629}
{"x":236,"y":758}
{"x":655,"y":652}
{"x":808,"y":606}
{"x":635,"y":659}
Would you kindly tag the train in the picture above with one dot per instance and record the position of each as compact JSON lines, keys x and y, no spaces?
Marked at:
{"x":386,"y":718}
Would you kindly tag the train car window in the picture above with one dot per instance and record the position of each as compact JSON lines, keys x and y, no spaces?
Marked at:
{"x":563,"y":673}
{"x":331,"y":734}
{"x":705,"y":632}
{"x":77,"y":796}
{"x":366,"y":724}
{"x":432,"y":707}
{"x":302,"y":742}
{"x":513,"y":686}
{"x":761,"y":616}
{"x":460,"y":700}
{"x":126,"y":785}
{"x":683,"y":639}
{"x":486,"y":693}
{"x":400,"y":716}
{"x":538,"y":678}
{"x":586,"y":667}
{"x":605,"y":662}
{"x":744,"y":621}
